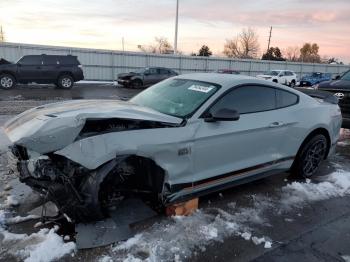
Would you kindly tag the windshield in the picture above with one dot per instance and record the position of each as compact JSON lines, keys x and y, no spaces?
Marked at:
{"x":346,"y":76}
{"x":272,"y":73}
{"x":176,"y":97}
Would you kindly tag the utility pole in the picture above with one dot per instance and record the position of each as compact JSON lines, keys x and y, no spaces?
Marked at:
{"x":268,"y":45}
{"x":123,"y":43}
{"x":176,"y":26}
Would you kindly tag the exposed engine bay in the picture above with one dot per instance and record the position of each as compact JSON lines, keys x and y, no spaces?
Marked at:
{"x":83,"y":195}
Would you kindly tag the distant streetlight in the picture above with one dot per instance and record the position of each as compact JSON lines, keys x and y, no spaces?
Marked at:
{"x":176,"y":26}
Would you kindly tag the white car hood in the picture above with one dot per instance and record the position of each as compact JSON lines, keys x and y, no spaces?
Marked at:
{"x":51,"y":127}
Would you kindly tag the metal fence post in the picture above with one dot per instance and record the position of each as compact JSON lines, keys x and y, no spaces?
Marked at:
{"x":19,"y":51}
{"x":180,"y":64}
{"x":112,"y":66}
{"x":250,"y":67}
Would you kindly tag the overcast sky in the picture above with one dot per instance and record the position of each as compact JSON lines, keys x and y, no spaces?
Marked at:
{"x":103,"y":23}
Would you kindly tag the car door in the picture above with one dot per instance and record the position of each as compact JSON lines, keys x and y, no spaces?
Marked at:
{"x":282,"y":78}
{"x":252,"y":142}
{"x":51,"y":67}
{"x":151,"y":76}
{"x":164,"y":73}
{"x":30,"y":68}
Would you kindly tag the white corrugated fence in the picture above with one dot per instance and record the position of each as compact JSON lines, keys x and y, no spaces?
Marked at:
{"x":104,"y":65}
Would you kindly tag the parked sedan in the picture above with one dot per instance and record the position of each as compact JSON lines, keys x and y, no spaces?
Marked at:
{"x":315,"y":78}
{"x":284,"y":77}
{"x":145,"y":77}
{"x":179,"y":139}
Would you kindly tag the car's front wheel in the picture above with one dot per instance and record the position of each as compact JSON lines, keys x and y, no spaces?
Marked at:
{"x":292,"y":84}
{"x":7,"y":81}
{"x":137,"y":83}
{"x":65,"y":82}
{"x":310,"y":156}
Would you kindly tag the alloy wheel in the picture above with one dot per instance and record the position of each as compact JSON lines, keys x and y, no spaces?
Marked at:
{"x":313,"y":157}
{"x":66,"y":82}
{"x":6,"y":82}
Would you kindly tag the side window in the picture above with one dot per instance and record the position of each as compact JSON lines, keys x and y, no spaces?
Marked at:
{"x":67,"y":60}
{"x":164,"y":72}
{"x":248,"y":99}
{"x":31,"y":60}
{"x":285,"y":98}
{"x":50,"y":60}
{"x":153,"y":71}
{"x":283,"y":73}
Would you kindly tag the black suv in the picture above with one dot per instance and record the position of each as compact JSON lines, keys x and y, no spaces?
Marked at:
{"x":60,"y":70}
{"x":340,"y":87}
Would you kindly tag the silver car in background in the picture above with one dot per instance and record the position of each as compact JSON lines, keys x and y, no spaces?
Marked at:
{"x":184,"y":137}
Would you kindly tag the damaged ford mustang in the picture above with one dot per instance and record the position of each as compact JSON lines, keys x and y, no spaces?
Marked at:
{"x":181,"y":138}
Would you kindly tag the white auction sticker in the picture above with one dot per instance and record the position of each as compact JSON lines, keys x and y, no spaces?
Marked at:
{"x":204,"y":89}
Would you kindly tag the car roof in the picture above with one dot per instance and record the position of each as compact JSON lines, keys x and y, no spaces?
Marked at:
{"x":227,"y":81}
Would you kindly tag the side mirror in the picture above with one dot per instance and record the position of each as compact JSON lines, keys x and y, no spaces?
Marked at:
{"x":223,"y":114}
{"x":19,"y":64}
{"x":146,"y":73}
{"x":337,"y":77}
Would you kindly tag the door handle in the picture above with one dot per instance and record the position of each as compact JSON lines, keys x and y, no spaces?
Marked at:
{"x":276,"y":124}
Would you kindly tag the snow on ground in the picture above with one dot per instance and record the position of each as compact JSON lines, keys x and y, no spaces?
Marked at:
{"x":178,"y":238}
{"x":44,"y":245}
{"x":98,"y":82}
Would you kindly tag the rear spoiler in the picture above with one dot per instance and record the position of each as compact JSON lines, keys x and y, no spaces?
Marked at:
{"x":324,"y":95}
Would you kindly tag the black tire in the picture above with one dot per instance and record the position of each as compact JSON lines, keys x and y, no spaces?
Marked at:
{"x":65,"y":82}
{"x":137,"y":83}
{"x":310,"y":156}
{"x":292,"y":84}
{"x":7,"y":81}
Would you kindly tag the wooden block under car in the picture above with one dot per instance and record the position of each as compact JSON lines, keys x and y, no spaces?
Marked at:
{"x":182,"y":209}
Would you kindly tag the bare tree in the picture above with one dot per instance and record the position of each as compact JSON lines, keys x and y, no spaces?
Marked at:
{"x":292,"y":53}
{"x":161,"y":46}
{"x":309,"y":53}
{"x":244,"y":45}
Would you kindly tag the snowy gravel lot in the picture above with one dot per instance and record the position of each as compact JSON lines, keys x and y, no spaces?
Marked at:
{"x":274,"y":219}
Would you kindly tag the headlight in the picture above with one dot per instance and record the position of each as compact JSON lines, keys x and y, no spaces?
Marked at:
{"x":315,"y":86}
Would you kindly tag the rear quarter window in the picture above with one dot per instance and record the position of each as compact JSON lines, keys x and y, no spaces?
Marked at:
{"x":285,"y":99}
{"x":68,"y":60}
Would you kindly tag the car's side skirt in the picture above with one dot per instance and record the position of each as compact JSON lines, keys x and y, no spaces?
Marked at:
{"x":182,"y":192}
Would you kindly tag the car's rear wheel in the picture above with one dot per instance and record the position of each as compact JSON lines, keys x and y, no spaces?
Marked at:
{"x":7,"y":81}
{"x":136,"y":83}
{"x":310,"y":156}
{"x":65,"y":82}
